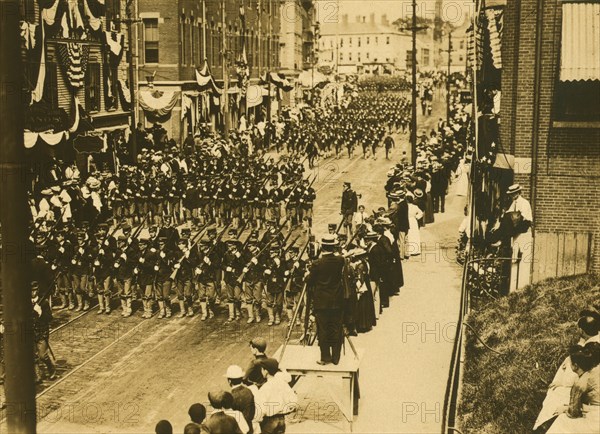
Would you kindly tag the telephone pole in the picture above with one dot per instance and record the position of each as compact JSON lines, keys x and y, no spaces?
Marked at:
{"x":130,"y":21}
{"x":14,"y":218}
{"x":413,"y":118}
{"x":225,"y":72}
{"x":448,"y":78}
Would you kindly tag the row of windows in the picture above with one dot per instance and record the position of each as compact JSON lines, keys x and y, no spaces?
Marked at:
{"x":359,"y":40}
{"x":191,"y":43}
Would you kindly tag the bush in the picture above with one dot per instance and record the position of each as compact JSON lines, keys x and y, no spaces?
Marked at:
{"x":532,"y":329}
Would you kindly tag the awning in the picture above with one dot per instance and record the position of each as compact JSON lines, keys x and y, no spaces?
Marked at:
{"x":580,"y":55}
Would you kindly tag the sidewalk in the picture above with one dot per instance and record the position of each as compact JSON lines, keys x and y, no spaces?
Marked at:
{"x":404,"y":371}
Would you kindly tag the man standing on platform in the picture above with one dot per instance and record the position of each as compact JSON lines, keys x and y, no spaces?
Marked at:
{"x":325,"y":280}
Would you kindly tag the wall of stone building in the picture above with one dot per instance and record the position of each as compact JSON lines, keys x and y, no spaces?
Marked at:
{"x":565,"y":158}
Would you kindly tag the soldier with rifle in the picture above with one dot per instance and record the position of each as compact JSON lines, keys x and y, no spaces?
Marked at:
{"x":81,"y":264}
{"x":307,"y":199}
{"x":183,"y":273}
{"x":163,"y":259}
{"x":126,"y":261}
{"x":144,"y":273}
{"x":295,"y":270}
{"x":60,"y":252}
{"x":232,"y":267}
{"x":105,"y":253}
{"x":274,"y":275}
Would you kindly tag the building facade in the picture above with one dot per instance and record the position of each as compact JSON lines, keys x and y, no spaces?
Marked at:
{"x":76,"y":76}
{"x":551,"y":124}
{"x":366,"y":46}
{"x":178,"y":38}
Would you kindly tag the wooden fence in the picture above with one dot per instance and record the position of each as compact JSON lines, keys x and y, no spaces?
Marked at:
{"x":560,"y":254}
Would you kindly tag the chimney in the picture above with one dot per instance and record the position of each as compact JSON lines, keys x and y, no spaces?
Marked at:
{"x":384,"y":20}
{"x":372,"y":18}
{"x":364,"y":19}
{"x":345,"y":19}
{"x":358,"y":18}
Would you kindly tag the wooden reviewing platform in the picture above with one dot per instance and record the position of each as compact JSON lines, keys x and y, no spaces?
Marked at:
{"x":301,"y":361}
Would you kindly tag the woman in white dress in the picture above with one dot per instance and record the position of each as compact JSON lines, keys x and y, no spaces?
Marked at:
{"x":463,"y":174}
{"x":413,"y":238}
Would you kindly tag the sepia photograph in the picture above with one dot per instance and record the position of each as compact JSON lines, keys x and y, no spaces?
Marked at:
{"x":299,"y":216}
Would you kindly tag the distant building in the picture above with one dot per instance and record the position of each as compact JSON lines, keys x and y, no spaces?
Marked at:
{"x":370,"y":47}
{"x":458,"y":49}
{"x":176,"y":38}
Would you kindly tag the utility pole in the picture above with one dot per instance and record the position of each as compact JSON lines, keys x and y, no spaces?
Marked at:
{"x":448,"y":78}
{"x":225,"y":72}
{"x":19,"y":382}
{"x":204,"y":30}
{"x":130,"y":21}
{"x":413,"y":119}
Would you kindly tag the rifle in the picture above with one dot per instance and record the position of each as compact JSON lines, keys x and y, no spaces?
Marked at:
{"x":53,"y":228}
{"x":337,"y":231}
{"x":288,"y":284}
{"x":240,"y":279}
{"x":214,"y":245}
{"x":195,"y":241}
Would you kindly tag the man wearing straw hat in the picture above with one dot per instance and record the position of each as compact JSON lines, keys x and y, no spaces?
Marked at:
{"x":522,"y":219}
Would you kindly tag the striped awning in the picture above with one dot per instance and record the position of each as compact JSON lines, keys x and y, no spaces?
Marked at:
{"x":580,"y":49}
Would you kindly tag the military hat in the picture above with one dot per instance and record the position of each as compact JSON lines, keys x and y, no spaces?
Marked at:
{"x":126,"y":227}
{"x":186,"y":232}
{"x":162,"y":239}
{"x":153,"y":228}
{"x":332,"y":226}
{"x":294,"y":249}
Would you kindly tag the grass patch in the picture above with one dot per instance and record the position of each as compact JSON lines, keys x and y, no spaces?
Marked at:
{"x":533,"y":330}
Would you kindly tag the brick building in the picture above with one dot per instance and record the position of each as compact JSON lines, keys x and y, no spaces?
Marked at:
{"x":551,"y":124}
{"x":175,"y":39}
{"x":75,"y":67}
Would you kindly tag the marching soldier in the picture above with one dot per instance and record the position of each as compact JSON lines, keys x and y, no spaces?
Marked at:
{"x":307,"y":199}
{"x":349,"y":207}
{"x":252,"y":284}
{"x":163,"y":260}
{"x":60,"y":253}
{"x":232,"y":267}
{"x":105,"y":253}
{"x":184,"y":272}
{"x":80,"y":271}
{"x":206,"y":275}
{"x":294,"y":275}
{"x":144,"y":272}
{"x":42,"y":315}
{"x":275,"y":275}
{"x":124,"y":265}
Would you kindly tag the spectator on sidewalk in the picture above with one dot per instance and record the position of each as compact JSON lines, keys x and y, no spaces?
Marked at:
{"x":163,"y":427}
{"x":253,"y":377}
{"x":243,"y":398}
{"x":223,"y":419}
{"x":274,"y":400}
{"x":197,"y":413}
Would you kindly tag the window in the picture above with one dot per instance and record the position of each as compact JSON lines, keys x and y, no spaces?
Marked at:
{"x":462,"y":45}
{"x":577,"y":90}
{"x":350,"y":57}
{"x":359,"y":42}
{"x":376,"y":40}
{"x":331,"y":44}
{"x":92,"y":86}
{"x":368,"y":40}
{"x":426,"y":56}
{"x":358,"y":57}
{"x":193,"y":41}
{"x":387,"y":40}
{"x":367,"y":55}
{"x":341,"y":42}
{"x":350,"y":42}
{"x":151,"y":40}
{"x":341,"y":57}
{"x":28,"y":10}
{"x":461,"y":58}
{"x":182,"y":40}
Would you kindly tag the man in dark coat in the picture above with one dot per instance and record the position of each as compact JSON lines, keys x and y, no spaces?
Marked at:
{"x":325,"y":280}
{"x":380,"y":261}
{"x":349,"y":207}
{"x":399,"y":217}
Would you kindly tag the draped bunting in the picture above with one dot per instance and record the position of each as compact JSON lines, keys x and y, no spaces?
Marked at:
{"x":114,"y":40}
{"x":94,"y":20}
{"x":38,"y":92}
{"x":495,"y":26}
{"x":206,"y":81}
{"x":124,"y":94}
{"x":157,"y":102}
{"x":278,"y":80}
{"x":49,"y":13}
{"x":28,"y":34}
{"x":254,"y":96}
{"x":52,"y":138}
{"x":73,"y":58}
{"x":186,"y":105}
